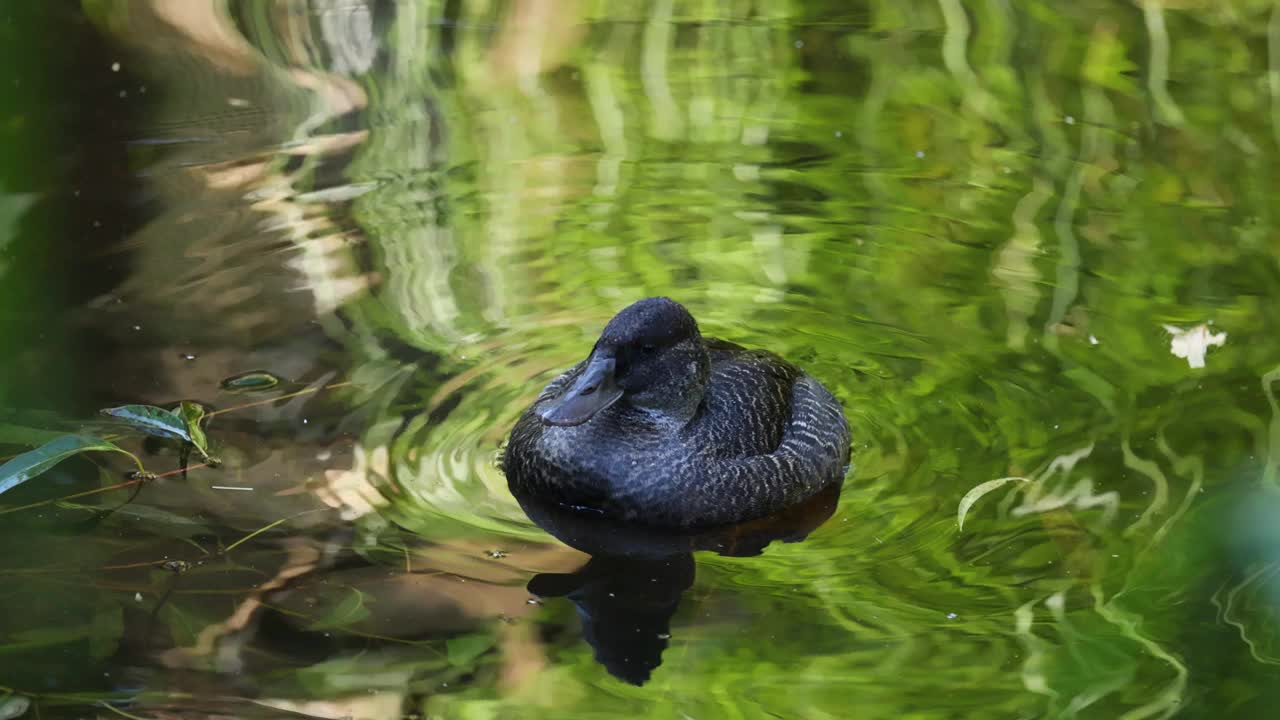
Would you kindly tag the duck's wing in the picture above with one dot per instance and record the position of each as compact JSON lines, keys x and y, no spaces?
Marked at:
{"x":813,"y":453}
{"x":747,"y":403}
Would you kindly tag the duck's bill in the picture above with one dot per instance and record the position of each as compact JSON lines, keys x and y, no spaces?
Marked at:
{"x":593,"y":391}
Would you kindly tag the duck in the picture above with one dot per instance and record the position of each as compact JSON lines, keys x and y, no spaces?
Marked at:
{"x":662,"y":427}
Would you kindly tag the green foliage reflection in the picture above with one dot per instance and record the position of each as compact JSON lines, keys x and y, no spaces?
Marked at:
{"x":977,"y":221}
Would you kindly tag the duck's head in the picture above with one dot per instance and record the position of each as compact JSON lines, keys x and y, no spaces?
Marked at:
{"x":649,"y":356}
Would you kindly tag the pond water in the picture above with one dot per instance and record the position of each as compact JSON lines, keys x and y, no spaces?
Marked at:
{"x":1032,"y":247}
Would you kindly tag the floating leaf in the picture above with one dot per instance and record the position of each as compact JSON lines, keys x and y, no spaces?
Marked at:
{"x":192,"y":413}
{"x":255,"y":381}
{"x":151,"y":420}
{"x":976,"y":494}
{"x":34,"y":462}
{"x":463,"y":651}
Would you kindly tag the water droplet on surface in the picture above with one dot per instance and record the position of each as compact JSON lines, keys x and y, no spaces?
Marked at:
{"x":115,"y":67}
{"x":496,"y":554}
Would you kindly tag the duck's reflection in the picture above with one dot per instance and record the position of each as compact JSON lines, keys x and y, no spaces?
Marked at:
{"x":625,"y":605}
{"x":629,"y":590}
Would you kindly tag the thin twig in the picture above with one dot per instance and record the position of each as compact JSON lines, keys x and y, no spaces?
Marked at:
{"x":118,"y":711}
{"x":265,"y":528}
{"x":182,"y":470}
{"x":253,"y":534}
{"x":109,"y":488}
{"x":50,"y":501}
{"x":129,"y":566}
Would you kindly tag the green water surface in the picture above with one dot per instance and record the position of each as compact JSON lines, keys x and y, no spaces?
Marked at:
{"x":1031,"y":242}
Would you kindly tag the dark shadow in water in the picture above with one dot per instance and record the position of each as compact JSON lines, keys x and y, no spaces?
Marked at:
{"x":628,"y":592}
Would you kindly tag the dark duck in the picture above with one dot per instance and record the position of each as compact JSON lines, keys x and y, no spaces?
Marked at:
{"x":663,"y":427}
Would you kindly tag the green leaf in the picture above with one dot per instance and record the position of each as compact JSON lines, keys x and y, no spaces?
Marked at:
{"x":250,"y":382}
{"x":34,"y":462}
{"x":191,"y":414}
{"x":151,"y":420}
{"x":463,"y":651}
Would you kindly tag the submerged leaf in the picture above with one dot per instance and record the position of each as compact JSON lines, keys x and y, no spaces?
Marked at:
{"x":105,"y":630}
{"x":192,"y":413}
{"x":20,"y":435}
{"x":463,"y":650}
{"x":151,"y":420}
{"x":155,"y":520}
{"x":34,"y":462}
{"x":976,"y":494}
{"x":46,"y":636}
{"x":255,"y":381}
{"x":351,"y":610}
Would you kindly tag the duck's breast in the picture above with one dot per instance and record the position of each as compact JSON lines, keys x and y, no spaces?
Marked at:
{"x":613,"y":455}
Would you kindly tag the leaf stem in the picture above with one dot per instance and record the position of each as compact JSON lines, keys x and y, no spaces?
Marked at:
{"x":73,"y":496}
{"x":287,"y":396}
{"x":118,"y":711}
{"x":265,"y":528}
